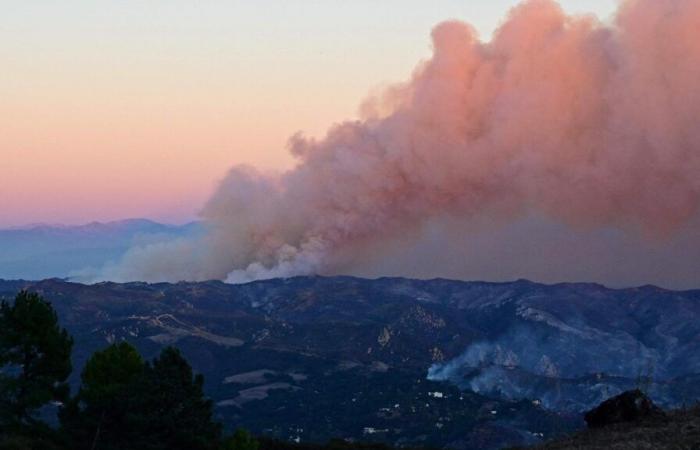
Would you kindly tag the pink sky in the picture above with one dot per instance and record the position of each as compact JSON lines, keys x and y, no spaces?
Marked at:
{"x":137,"y":110}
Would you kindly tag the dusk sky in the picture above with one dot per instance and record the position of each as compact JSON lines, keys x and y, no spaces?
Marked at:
{"x":118,"y":109}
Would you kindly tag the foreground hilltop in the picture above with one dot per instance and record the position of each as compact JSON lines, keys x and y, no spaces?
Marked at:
{"x":446,"y":363}
{"x":680,"y":429}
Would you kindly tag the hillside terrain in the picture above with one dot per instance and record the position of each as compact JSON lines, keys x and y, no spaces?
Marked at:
{"x":679,"y":430}
{"x":406,"y":362}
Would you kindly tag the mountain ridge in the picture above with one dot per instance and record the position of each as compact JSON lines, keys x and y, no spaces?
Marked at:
{"x":45,"y":251}
{"x":538,"y":355}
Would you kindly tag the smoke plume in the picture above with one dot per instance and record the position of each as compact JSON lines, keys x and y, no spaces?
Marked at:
{"x":564,"y":146}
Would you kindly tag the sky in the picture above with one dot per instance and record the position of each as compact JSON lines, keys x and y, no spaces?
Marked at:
{"x":118,"y":109}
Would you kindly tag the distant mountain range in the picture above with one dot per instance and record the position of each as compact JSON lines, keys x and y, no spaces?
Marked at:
{"x":38,"y":252}
{"x":447,"y":363}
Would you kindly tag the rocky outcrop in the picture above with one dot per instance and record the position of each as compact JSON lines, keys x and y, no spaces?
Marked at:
{"x":629,"y":406}
{"x":675,"y":429}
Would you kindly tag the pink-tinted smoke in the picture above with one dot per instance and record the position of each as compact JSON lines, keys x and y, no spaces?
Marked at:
{"x":580,"y":123}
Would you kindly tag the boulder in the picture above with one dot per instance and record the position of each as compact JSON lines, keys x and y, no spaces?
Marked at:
{"x":630,"y":406}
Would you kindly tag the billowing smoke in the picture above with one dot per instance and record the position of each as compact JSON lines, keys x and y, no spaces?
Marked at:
{"x":566,"y":146}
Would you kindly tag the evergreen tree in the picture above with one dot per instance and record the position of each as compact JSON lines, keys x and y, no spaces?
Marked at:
{"x":98,"y":416}
{"x":172,"y":407}
{"x":127,"y":404}
{"x":34,"y":360}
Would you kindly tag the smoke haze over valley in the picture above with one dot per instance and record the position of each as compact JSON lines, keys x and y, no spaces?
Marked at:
{"x":495,"y":364}
{"x":564,"y":149}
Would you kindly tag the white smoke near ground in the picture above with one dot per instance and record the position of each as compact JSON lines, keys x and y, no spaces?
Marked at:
{"x":565,"y":366}
{"x":567,"y":147}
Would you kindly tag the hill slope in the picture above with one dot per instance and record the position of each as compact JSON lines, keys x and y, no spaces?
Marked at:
{"x":311,"y":358}
{"x":680,"y":430}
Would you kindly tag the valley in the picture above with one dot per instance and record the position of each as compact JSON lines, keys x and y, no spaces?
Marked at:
{"x":407,"y":362}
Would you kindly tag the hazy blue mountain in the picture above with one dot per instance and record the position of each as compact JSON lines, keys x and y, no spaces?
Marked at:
{"x":469,"y":365}
{"x":54,"y":251}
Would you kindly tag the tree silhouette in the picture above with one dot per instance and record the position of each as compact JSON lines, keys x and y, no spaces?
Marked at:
{"x":173,"y":408}
{"x":125,"y":404}
{"x":34,"y":360}
{"x":98,"y":416}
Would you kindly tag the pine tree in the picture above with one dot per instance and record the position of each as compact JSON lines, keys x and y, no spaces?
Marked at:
{"x":34,"y":360}
{"x":97,"y":417}
{"x":173,"y":408}
{"x":126,"y":404}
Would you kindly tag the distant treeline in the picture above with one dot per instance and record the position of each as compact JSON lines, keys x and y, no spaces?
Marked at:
{"x":123,"y":402}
